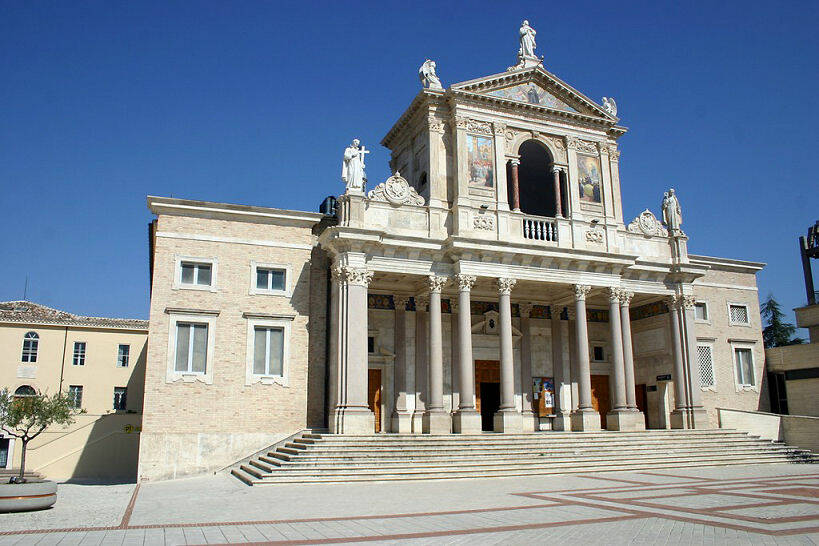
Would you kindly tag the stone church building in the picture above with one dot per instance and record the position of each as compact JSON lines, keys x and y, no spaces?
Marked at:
{"x":491,"y":284}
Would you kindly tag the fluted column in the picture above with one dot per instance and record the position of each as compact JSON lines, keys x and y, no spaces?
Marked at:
{"x":421,"y":361}
{"x":531,"y":421}
{"x":508,"y":418}
{"x":467,"y":419}
{"x":585,"y":418}
{"x":436,"y":420}
{"x":401,"y":417}
{"x":558,"y":197}
{"x":352,"y":414}
{"x":515,"y":184}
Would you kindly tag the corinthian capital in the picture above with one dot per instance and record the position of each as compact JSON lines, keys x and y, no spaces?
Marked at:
{"x":625,"y":297}
{"x":357,"y":276}
{"x":436,"y":283}
{"x":400,"y":302}
{"x":525,"y":309}
{"x":421,"y":302}
{"x":581,"y":291}
{"x":688,"y":302}
{"x":505,"y":285}
{"x":614,"y":295}
{"x":465,"y":282}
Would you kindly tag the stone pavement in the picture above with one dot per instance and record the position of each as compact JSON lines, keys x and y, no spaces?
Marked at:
{"x":770,"y":504}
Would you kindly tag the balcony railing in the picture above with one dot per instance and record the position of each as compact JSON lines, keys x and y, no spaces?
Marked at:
{"x":539,"y":229}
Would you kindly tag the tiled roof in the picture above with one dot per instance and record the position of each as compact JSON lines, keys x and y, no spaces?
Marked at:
{"x":28,"y":312}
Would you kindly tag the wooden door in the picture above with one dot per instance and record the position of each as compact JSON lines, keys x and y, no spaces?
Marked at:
{"x":600,"y":396}
{"x":641,"y":398}
{"x":374,"y":395}
{"x":486,"y":371}
{"x":487,"y":390}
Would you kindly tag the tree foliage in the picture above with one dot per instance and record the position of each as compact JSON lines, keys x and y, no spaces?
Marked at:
{"x":777,"y":333}
{"x":26,"y":417}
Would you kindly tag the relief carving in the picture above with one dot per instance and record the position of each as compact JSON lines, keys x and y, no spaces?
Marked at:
{"x":594,"y":236}
{"x":480,"y":127}
{"x":647,"y":224}
{"x":483,"y":222}
{"x":396,"y":191}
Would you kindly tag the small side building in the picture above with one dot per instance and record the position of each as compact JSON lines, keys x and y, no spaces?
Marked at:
{"x":100,"y":363}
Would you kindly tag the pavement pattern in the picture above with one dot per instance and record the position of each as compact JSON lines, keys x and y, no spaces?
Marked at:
{"x":749,"y":504}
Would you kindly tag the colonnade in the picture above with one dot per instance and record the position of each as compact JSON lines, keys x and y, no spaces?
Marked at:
{"x":351,"y":415}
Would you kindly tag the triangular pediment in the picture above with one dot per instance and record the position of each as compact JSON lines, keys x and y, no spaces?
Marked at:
{"x":535,"y":87}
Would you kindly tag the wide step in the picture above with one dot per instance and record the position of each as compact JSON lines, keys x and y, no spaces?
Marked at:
{"x":326,"y":458}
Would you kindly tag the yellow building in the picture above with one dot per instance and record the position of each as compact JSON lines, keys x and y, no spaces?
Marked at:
{"x":100,"y":363}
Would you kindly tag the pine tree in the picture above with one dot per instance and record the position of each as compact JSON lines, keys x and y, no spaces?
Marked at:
{"x":778,"y":332}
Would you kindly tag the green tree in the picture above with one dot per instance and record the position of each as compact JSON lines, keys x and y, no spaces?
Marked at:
{"x":777,"y":333}
{"x":27,"y":416}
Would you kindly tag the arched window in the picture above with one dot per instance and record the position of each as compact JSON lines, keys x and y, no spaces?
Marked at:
{"x":25,"y":390}
{"x":30,"y":343}
{"x":536,"y":180}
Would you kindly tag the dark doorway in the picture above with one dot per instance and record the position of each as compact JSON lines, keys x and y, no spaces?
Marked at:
{"x":4,"y":452}
{"x":490,"y":403}
{"x":779,"y":396}
{"x":641,"y":397}
{"x":535,"y":180}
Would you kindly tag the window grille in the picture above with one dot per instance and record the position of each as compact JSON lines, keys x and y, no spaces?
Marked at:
{"x":739,"y":314}
{"x":705,"y":357}
{"x":75,"y":395}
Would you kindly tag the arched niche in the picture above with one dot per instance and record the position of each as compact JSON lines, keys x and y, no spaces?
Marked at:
{"x":536,"y":186}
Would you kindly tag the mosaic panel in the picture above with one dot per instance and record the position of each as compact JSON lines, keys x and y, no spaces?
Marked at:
{"x":588,"y":171}
{"x":480,"y":161}
{"x":532,"y":94}
{"x":648,"y":310}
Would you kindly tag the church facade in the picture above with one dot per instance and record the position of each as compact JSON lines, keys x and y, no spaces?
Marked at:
{"x":491,"y":284}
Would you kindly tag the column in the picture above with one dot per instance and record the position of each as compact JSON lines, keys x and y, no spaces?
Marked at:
{"x":507,"y":418}
{"x":697,"y":417}
{"x":515,"y":163}
{"x":531,"y":421}
{"x":435,"y":419}
{"x":454,"y":355}
{"x":679,"y":415}
{"x":628,"y":358}
{"x":585,"y":418}
{"x":401,"y":417}
{"x":352,"y":414}
{"x":558,"y":198}
{"x":560,"y":367}
{"x":618,"y":417}
{"x":571,"y":336}
{"x":466,"y":420}
{"x":421,"y":361}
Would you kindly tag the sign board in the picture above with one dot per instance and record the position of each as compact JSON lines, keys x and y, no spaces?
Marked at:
{"x":664,"y":377}
{"x":543,"y":390}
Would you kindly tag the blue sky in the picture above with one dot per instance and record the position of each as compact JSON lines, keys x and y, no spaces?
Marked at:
{"x":103,"y":103}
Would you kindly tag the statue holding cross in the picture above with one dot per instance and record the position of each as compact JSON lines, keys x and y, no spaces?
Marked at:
{"x":352,"y":168}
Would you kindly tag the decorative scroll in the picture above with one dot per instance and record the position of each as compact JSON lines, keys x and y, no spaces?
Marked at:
{"x":396,"y":191}
{"x":594,"y":236}
{"x":647,"y":224}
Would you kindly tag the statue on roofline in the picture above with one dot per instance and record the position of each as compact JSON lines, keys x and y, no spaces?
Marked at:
{"x":352,"y":167}
{"x":429,"y":79}
{"x":527,"y":42}
{"x":672,"y":214}
{"x":610,"y":106}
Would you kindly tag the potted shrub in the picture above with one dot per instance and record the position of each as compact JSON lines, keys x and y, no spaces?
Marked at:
{"x":25,"y":418}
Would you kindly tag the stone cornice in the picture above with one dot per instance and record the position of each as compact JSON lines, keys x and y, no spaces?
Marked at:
{"x":424,"y":97}
{"x":207,"y":209}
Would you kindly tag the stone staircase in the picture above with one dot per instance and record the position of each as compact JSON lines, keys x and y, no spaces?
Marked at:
{"x":328,"y":458}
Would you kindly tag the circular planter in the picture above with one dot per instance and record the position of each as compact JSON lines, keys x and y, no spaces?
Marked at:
{"x":33,"y":495}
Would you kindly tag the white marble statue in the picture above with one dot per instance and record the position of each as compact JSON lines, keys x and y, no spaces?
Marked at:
{"x":672,"y":214}
{"x":429,"y":79}
{"x":610,"y":106}
{"x":352,"y":168}
{"x":527,"y":42}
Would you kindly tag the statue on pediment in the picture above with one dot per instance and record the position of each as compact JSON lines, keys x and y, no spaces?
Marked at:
{"x":610,"y":106}
{"x":352,"y":167}
{"x":527,"y":42}
{"x":672,"y":213}
{"x":429,"y":79}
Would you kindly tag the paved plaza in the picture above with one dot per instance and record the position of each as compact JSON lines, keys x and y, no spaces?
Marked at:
{"x":769,"y":504}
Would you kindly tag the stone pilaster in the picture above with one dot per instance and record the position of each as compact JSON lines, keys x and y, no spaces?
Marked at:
{"x":352,"y":414}
{"x":695,"y":415}
{"x":585,"y":417}
{"x":435,"y":419}
{"x":508,"y":418}
{"x":401,"y":417}
{"x":467,"y":419}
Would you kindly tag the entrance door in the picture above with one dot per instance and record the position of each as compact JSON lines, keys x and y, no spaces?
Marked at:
{"x":487,"y":391}
{"x":4,"y":452}
{"x":600,"y":396}
{"x":641,"y":397}
{"x":374,"y":395}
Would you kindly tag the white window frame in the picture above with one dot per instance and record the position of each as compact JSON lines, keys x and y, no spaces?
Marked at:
{"x":74,"y":398}
{"x":707,"y":319}
{"x":127,"y":357}
{"x":288,"y":279}
{"x":747,"y":313}
{"x":32,"y":353}
{"x":114,"y":408}
{"x":84,"y":353}
{"x":214,"y":270}
{"x":172,"y":375}
{"x":740,"y":387}
{"x":269,"y":322}
{"x":708,"y":343}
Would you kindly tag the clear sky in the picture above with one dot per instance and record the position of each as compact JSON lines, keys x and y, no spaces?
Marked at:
{"x":105,"y":102}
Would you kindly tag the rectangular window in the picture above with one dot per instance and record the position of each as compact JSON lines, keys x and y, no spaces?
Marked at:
{"x":75,"y":395}
{"x":270,"y":279}
{"x":79,"y":353}
{"x":370,"y":344}
{"x":598,"y":354}
{"x":701,"y":311}
{"x":268,"y":350}
{"x":705,"y":358}
{"x":123,"y":353}
{"x":30,"y":343}
{"x":744,"y":360}
{"x":191,"y":347}
{"x":196,"y":274}
{"x":738,"y":314}
{"x":120,"y":394}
